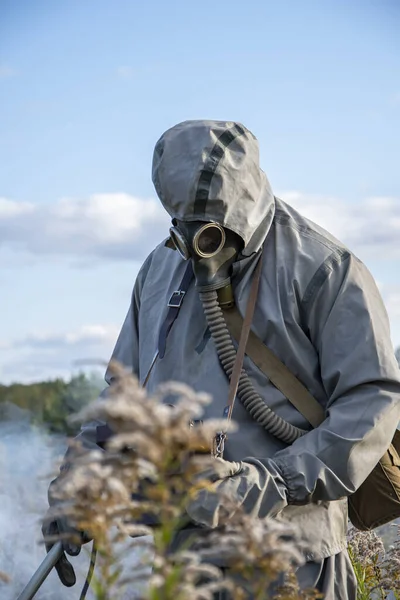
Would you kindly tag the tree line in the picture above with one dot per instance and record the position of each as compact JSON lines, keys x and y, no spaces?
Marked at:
{"x":50,"y":403}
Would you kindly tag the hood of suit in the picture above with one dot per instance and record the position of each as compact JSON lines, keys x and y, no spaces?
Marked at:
{"x":210,"y":171}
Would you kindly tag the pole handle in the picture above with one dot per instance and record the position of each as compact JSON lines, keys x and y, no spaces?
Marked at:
{"x":42,"y":572}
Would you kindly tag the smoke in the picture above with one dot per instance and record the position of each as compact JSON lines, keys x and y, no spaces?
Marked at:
{"x":29,"y":460}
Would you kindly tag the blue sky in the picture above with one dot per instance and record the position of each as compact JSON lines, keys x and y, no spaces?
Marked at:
{"x":86,"y":89}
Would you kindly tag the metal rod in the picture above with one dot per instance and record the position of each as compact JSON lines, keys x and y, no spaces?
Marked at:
{"x":42,"y":572}
{"x":153,"y":362}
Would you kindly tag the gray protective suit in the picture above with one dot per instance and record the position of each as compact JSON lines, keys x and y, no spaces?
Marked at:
{"x":320,"y":312}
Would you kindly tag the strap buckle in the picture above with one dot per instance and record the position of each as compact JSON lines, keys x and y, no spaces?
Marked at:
{"x":176,"y":299}
{"x":219,"y":445}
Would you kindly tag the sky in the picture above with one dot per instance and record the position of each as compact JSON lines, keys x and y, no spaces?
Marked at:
{"x":86,"y":90}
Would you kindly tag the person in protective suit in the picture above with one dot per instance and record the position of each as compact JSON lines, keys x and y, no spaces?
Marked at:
{"x":318,"y":309}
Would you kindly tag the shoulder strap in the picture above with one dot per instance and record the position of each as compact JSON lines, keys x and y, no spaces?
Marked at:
{"x":104,"y":432}
{"x":278,"y":373}
{"x":243,"y":339}
{"x":243,"y":336}
{"x":174,"y":305}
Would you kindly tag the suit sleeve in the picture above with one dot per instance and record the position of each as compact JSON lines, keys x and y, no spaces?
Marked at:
{"x":349,"y":328}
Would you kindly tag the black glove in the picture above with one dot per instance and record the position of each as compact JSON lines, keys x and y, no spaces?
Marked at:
{"x":60,"y":527}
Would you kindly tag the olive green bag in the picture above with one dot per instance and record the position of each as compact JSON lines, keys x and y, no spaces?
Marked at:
{"x":377,"y":500}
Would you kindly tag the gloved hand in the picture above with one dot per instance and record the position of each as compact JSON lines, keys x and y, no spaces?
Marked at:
{"x":256,"y":486}
{"x":59,"y":526}
{"x":71,"y":538}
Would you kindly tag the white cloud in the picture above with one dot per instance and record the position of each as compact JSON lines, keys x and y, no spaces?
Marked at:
{"x":391,"y":297}
{"x":122,"y":227}
{"x":108,"y":226}
{"x":370,"y":227}
{"x":392,"y":302}
{"x":85,"y":336}
{"x":42,"y":355}
{"x":10,"y":208}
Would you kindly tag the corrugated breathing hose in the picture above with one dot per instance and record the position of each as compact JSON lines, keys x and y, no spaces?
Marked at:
{"x":248,"y":396}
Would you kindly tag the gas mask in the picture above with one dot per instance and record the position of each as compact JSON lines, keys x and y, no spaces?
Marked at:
{"x":213,"y":250}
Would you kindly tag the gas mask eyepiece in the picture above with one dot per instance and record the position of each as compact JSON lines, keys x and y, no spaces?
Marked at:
{"x":207,"y":241}
{"x":179,"y":243}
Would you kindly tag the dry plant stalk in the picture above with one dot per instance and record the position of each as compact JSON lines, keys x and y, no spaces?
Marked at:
{"x":151,"y":468}
{"x":377,"y":571}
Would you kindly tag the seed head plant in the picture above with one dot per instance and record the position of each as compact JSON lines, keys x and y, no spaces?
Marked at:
{"x":155,"y":463}
{"x":377,"y":570}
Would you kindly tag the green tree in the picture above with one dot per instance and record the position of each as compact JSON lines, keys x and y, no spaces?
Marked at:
{"x":51,"y":402}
